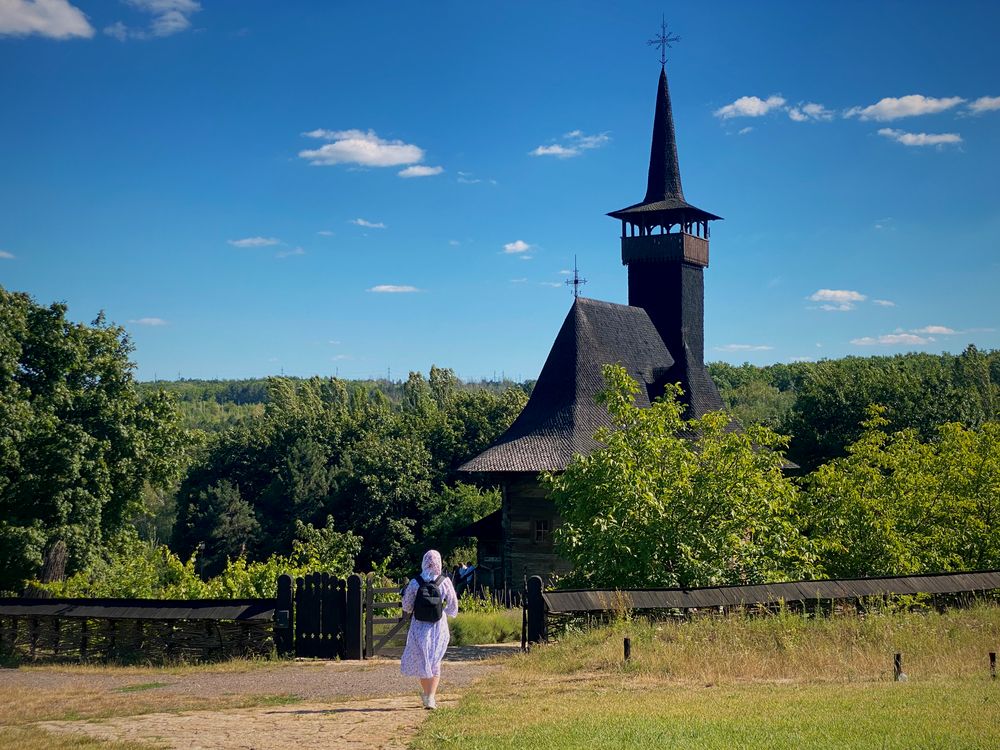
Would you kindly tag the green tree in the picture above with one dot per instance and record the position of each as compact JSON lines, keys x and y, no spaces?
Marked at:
{"x":898,"y":504}
{"x":450,"y":510}
{"x":674,"y":502}
{"x":78,"y":443}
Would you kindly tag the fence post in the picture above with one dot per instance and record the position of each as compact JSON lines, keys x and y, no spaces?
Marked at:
{"x":284,"y":610}
{"x":352,"y":625}
{"x":536,"y":611}
{"x":369,"y":615}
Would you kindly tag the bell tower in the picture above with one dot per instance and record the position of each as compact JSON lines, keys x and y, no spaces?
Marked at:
{"x":665,"y":247}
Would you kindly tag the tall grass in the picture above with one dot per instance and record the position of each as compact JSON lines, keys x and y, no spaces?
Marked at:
{"x":472,"y":628}
{"x":786,"y":646}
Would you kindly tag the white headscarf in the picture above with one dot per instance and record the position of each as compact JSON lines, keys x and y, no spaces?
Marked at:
{"x":430,"y":566}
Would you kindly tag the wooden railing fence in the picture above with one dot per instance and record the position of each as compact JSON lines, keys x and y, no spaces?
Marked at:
{"x":942,"y":589}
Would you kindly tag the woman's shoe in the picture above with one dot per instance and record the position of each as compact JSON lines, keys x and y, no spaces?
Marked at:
{"x":424,"y":698}
{"x":430,"y":705}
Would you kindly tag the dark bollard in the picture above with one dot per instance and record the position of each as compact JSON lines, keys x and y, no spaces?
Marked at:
{"x":897,"y":669}
{"x":628,"y":649}
{"x":537,"y":630}
{"x":993,"y":665}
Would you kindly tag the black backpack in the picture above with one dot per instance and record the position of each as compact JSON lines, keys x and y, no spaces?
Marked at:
{"x":429,"y":603}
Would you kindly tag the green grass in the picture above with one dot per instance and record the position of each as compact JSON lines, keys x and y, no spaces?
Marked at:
{"x":624,"y":714}
{"x":740,"y":682}
{"x":472,"y":628}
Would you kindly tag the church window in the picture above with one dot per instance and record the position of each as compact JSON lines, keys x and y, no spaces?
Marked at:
{"x":543,"y":530}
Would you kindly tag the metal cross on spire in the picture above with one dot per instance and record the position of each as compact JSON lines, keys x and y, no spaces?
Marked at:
{"x":576,"y":282}
{"x":664,"y":40}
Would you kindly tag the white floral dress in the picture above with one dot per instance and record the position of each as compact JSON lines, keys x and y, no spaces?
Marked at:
{"x":426,"y":642}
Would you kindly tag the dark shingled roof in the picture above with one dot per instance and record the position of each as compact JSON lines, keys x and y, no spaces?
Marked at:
{"x":561,"y":416}
{"x":664,"y":193}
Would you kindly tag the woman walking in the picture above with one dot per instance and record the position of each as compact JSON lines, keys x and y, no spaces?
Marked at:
{"x":431,"y":599}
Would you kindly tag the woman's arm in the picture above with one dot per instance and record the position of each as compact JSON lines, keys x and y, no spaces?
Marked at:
{"x":409,"y":596}
{"x":451,"y":599}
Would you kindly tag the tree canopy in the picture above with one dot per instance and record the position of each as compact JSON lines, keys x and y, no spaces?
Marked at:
{"x":78,"y":443}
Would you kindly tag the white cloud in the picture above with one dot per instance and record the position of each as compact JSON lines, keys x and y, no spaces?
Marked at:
{"x":290,"y":252}
{"x":4,"y":255}
{"x":454,"y":243}
{"x":560,"y":152}
{"x":255,"y":242}
{"x":149,"y":321}
{"x":935,"y":330}
{"x":750,"y":106}
{"x":333,"y":342}
{"x":519,"y":281}
{"x":393,"y":289}
{"x":920,"y":139}
{"x":837,"y":299}
{"x":810,"y":111}
{"x":884,"y":302}
{"x":517,"y":246}
{"x":420,"y":170}
{"x":360,"y":147}
{"x":325,"y":233}
{"x":56,"y":19}
{"x":565,"y":272}
{"x":574,"y":143}
{"x":554,"y":284}
{"x":744,"y":348}
{"x":892,"y":339}
{"x":168,"y":17}
{"x":744,"y":131}
{"x":368,"y":224}
{"x":984,"y":104}
{"x":912,"y":105}
{"x":341,"y":357}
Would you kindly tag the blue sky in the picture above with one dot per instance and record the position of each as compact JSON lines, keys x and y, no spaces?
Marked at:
{"x":317,"y":188}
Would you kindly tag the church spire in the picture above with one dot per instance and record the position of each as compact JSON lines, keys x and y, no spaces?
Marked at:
{"x":664,"y":181}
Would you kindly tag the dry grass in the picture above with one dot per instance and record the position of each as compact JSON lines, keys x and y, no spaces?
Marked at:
{"x":845,"y":648}
{"x":178,"y":668}
{"x":19,"y":706}
{"x":32,"y":738}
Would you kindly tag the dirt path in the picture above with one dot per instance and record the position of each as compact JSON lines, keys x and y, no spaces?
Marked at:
{"x":376,"y":724}
{"x":293,"y":706}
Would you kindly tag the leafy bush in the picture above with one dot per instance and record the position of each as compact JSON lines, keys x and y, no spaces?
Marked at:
{"x":133,"y":568}
{"x":675,"y":502}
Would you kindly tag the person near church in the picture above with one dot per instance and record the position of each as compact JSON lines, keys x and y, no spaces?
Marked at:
{"x":431,"y":599}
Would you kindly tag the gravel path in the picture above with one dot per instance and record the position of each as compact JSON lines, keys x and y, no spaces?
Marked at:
{"x":372,"y":724}
{"x":348,"y":705}
{"x":303,"y":680}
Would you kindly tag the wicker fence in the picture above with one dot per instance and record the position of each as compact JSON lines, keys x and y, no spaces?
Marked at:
{"x":130,"y":629}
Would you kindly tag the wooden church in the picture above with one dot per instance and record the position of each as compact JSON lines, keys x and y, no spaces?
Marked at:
{"x":658,"y":337}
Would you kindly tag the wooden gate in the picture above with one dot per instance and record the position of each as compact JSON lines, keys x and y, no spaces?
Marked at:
{"x":380,"y":631}
{"x":320,"y":616}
